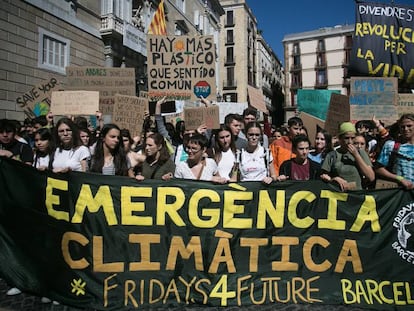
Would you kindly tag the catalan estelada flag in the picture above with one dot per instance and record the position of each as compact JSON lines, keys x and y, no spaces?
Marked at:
{"x":158,"y":25}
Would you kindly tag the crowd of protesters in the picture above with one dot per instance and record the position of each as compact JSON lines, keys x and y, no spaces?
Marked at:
{"x":242,"y":149}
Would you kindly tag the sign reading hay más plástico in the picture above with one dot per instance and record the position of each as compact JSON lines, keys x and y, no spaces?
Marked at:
{"x":108,"y":242}
{"x":181,"y":67}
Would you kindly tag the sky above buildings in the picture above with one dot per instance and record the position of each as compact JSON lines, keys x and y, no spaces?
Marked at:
{"x":279,"y":18}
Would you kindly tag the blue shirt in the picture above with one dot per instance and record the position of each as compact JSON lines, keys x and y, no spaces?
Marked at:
{"x":404,"y":161}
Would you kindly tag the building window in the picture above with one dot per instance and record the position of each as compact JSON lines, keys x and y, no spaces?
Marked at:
{"x":179,"y":31}
{"x":230,"y":38}
{"x":180,"y":5}
{"x":321,"y":46}
{"x":53,"y":51}
{"x":229,"y":18}
{"x":296,"y":50}
{"x":229,"y":55}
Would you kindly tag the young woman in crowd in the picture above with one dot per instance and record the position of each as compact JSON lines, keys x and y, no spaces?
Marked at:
{"x":157,"y":163}
{"x":109,"y":157}
{"x":255,"y":161}
{"x":347,"y":165}
{"x":224,"y":151}
{"x":197,"y":167}
{"x":323,"y":145}
{"x":70,"y":153}
{"x":43,"y":148}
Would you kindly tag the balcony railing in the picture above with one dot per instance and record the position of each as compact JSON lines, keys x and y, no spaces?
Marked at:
{"x":321,"y":84}
{"x":229,"y":60}
{"x":295,"y":67}
{"x":321,"y":65}
{"x":229,"y":84}
{"x":110,"y":23}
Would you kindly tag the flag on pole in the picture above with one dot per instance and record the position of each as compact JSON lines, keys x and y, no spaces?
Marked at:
{"x":158,"y":25}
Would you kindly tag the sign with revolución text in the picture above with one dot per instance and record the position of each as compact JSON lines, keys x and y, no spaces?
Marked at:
{"x":181,"y":67}
{"x":110,"y":243}
{"x":383,"y":41}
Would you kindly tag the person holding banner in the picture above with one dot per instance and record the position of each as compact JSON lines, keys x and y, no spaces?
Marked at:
{"x":70,"y":154}
{"x":157,"y":163}
{"x":109,"y":157}
{"x":399,"y":157}
{"x":44,"y":148}
{"x":323,"y":145}
{"x":256,"y":161}
{"x":347,"y":165}
{"x":301,"y":167}
{"x":224,"y":151}
{"x":197,"y":167}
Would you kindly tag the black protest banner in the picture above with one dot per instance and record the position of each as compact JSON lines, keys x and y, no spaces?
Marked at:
{"x":111,"y":243}
{"x":383,"y":42}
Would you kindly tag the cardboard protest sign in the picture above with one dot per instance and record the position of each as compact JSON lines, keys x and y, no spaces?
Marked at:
{"x":129,"y":112}
{"x":107,"y":80}
{"x":256,"y":99}
{"x":36,"y":101}
{"x":311,"y":123}
{"x":338,"y":112}
{"x":75,"y":102}
{"x":181,"y":67}
{"x":374,"y":96}
{"x":315,"y":102}
{"x":228,"y":107}
{"x":194,"y":117}
{"x":405,"y":104}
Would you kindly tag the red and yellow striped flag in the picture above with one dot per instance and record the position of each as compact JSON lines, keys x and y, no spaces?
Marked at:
{"x":158,"y":25}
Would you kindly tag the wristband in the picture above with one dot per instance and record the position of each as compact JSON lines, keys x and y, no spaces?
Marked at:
{"x":399,"y":178}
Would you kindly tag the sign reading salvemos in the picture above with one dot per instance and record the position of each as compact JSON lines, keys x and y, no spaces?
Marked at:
{"x":181,"y":67}
{"x":383,"y":42}
{"x":111,"y":243}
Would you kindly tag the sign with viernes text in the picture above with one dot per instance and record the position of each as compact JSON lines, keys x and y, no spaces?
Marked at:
{"x":108,"y":242}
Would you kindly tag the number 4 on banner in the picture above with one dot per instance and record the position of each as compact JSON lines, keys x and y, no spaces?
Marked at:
{"x":223,"y":294}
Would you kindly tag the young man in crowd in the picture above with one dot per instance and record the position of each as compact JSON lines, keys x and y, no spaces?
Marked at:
{"x":250,"y":115}
{"x":10,"y":147}
{"x":282,"y":148}
{"x":234,"y":122}
{"x":300,"y":167}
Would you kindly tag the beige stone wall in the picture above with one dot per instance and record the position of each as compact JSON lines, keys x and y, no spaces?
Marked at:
{"x":19,"y":69}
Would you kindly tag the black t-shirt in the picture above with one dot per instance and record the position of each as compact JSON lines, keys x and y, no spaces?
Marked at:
{"x":21,"y":151}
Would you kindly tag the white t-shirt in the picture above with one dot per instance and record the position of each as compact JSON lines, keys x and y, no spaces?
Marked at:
{"x":253,"y":166}
{"x":226,"y":163}
{"x":182,"y":170}
{"x":71,"y":158}
{"x":41,"y":161}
